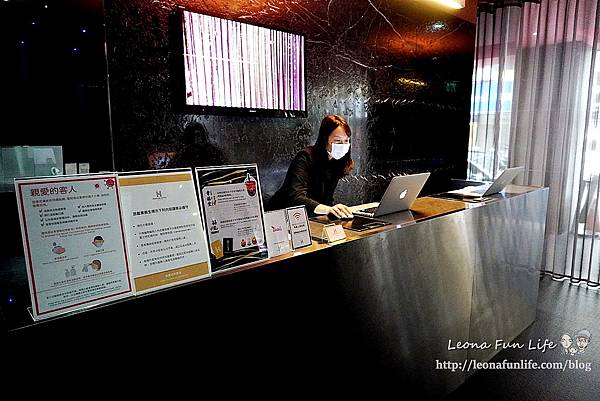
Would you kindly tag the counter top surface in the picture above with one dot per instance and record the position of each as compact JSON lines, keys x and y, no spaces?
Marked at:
{"x":424,"y":208}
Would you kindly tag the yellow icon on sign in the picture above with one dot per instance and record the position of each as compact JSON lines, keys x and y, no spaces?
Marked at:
{"x":217,"y":248}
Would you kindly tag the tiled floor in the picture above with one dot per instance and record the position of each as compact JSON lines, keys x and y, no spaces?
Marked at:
{"x":562,"y":308}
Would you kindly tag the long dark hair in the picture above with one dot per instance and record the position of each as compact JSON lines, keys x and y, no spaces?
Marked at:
{"x":328,"y":125}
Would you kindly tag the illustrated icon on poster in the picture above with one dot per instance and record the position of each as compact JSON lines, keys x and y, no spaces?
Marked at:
{"x":217,"y":248}
{"x":57,"y":249}
{"x":70,"y":272}
{"x":228,"y":245}
{"x":96,"y":264}
{"x":110,"y":182}
{"x":98,"y":241}
{"x":250,"y":184}
{"x":259,"y":237}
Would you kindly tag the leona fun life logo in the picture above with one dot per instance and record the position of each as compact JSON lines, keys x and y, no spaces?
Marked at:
{"x":575,"y":344}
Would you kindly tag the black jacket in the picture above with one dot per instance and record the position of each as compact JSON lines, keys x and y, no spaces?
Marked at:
{"x":311,"y":180}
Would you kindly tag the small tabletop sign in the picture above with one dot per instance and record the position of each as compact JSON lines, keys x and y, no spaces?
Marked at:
{"x":277,"y":231}
{"x":299,"y":227}
{"x":334,"y":232}
{"x":70,"y":168}
{"x":83,"y":168}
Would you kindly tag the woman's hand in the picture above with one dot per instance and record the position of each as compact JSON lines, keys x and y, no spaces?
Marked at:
{"x":340,"y":210}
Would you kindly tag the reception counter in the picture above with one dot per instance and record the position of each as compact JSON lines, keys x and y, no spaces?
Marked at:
{"x":379,"y":307}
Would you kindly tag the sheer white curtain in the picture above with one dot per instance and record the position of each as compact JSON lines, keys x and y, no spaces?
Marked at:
{"x":536,"y":99}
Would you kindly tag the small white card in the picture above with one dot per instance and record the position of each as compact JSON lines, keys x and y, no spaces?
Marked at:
{"x":84,"y":168}
{"x":277,"y":231}
{"x":70,"y":168}
{"x":299,"y":227}
{"x":335,"y":233}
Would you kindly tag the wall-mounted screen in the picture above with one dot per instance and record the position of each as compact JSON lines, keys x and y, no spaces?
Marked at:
{"x":238,"y":67}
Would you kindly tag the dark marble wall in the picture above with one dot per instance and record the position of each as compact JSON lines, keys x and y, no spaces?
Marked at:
{"x":53,"y":78}
{"x":398,"y":71}
{"x":53,"y":90}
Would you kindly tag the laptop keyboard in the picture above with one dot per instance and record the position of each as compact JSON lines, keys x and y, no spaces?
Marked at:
{"x":369,"y":210}
{"x":480,"y":190}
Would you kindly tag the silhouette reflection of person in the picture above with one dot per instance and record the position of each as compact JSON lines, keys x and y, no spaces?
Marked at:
{"x":196,"y":149}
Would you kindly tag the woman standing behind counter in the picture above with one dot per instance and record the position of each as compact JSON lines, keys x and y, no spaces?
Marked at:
{"x":315,"y":171}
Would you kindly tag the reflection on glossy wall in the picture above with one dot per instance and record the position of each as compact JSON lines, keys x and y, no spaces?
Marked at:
{"x":399,"y":71}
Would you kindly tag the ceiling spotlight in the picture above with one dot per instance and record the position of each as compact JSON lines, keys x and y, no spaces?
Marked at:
{"x":437,"y":26}
{"x":455,"y":4}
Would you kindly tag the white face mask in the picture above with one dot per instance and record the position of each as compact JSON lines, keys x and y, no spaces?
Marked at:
{"x":339,"y":150}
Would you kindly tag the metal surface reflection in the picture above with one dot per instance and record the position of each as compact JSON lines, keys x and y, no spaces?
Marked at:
{"x":507,"y":239}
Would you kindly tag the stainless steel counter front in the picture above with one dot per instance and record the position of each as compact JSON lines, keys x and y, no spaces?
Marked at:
{"x":380,"y":305}
{"x":469,"y":276}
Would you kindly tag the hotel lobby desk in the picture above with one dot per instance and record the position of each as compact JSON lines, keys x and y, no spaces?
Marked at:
{"x":379,"y":307}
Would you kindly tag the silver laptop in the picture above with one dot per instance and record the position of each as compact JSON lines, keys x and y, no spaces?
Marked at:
{"x":491,"y":188}
{"x":399,"y":196}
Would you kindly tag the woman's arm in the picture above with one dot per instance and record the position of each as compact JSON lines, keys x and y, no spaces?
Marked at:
{"x":298,"y":177}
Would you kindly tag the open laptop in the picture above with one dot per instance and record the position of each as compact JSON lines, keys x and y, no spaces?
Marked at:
{"x":490,"y":188}
{"x":399,"y":196}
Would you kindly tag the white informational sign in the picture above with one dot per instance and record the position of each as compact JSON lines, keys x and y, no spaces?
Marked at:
{"x":74,"y":242}
{"x":334,"y":233}
{"x":83,"y":168}
{"x":299,"y":227}
{"x":165,"y":235}
{"x":70,"y":168}
{"x":232,"y":206}
{"x":277,"y":231}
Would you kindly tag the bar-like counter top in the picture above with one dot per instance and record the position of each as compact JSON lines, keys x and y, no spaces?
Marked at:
{"x":424,"y":208}
{"x":379,"y":306}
